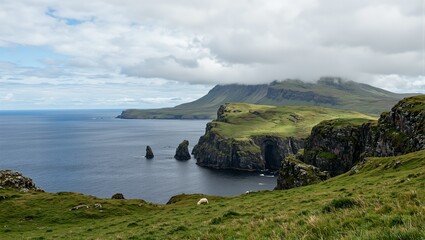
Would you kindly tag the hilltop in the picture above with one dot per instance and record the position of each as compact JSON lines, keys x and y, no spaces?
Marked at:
{"x":381,"y":200}
{"x":326,"y":92}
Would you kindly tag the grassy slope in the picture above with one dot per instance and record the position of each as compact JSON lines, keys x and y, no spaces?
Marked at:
{"x":350,"y":95}
{"x":384,"y":200}
{"x":244,"y":120}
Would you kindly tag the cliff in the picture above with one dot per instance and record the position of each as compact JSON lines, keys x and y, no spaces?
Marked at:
{"x":294,"y":173}
{"x":337,"y":145}
{"x":327,"y":92}
{"x":257,"y":137}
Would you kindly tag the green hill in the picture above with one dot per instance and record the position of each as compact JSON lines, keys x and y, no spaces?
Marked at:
{"x":382,"y":199}
{"x":327,"y":92}
{"x":242,"y":120}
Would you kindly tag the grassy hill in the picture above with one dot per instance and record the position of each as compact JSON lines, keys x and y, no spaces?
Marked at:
{"x":242,"y":120}
{"x":382,"y":199}
{"x":327,"y":92}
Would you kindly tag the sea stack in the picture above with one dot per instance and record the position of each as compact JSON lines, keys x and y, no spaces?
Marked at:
{"x":149,"y":153}
{"x":182,"y":151}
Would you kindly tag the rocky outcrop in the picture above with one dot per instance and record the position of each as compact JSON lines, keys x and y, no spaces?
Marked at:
{"x":254,"y":154}
{"x":118,"y":196}
{"x":400,"y":131}
{"x":182,"y":151}
{"x":337,"y":145}
{"x":14,"y":180}
{"x":294,"y":173}
{"x":149,"y":153}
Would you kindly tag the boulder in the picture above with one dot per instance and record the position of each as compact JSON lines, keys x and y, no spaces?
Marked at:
{"x":149,"y":153}
{"x":14,"y":180}
{"x":118,"y":196}
{"x":182,"y":151}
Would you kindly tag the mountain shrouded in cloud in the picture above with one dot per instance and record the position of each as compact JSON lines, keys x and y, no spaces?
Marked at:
{"x":131,"y":43}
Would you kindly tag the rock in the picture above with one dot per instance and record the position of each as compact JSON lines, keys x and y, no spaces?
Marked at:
{"x":14,"y":180}
{"x":149,"y":153}
{"x":118,"y":196}
{"x":337,"y":145}
{"x":294,"y":173}
{"x":182,"y":151}
{"x":255,"y":154}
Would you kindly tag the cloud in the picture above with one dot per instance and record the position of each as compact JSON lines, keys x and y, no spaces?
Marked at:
{"x":216,"y":42}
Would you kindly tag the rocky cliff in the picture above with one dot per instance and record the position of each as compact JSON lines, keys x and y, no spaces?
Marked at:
{"x":257,"y":137}
{"x":254,"y":154}
{"x":337,"y":145}
{"x":294,"y":173}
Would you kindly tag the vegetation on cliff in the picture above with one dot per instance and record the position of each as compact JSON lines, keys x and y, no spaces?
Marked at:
{"x":382,"y":199}
{"x":242,"y":120}
{"x":327,"y":92}
{"x":257,"y":137}
{"x":337,"y":145}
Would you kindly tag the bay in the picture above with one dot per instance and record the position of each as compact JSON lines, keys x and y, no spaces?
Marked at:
{"x":92,"y":152}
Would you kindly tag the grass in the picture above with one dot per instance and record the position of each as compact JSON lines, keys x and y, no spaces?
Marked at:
{"x":346,"y":95}
{"x":242,"y":120}
{"x":383,"y":199}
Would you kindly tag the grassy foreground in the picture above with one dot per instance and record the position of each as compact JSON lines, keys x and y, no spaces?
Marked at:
{"x":243,"y":120}
{"x":383,"y":198}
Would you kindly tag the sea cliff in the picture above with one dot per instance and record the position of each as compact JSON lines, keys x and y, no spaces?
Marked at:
{"x":257,"y":137}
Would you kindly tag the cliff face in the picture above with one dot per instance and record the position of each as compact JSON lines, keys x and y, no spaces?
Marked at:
{"x":254,"y":154}
{"x":257,"y":137}
{"x":337,"y":145}
{"x":294,"y":173}
{"x":400,"y":131}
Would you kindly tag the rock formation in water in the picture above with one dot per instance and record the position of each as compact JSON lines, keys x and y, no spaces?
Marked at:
{"x":149,"y":153}
{"x":14,"y":180}
{"x":182,"y":151}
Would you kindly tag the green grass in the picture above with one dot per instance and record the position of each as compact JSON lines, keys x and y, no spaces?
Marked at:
{"x":346,"y":95}
{"x":383,"y":199}
{"x":242,"y":120}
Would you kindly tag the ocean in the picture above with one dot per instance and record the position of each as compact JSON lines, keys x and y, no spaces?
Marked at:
{"x":92,"y":152}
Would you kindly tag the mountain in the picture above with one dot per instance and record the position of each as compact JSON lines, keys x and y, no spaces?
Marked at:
{"x":327,"y":92}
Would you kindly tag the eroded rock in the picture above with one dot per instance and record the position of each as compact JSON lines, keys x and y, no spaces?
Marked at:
{"x":182,"y":151}
{"x":149,"y":153}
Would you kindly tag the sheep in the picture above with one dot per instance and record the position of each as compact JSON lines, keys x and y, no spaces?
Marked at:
{"x":97,"y":205}
{"x":203,"y":201}
{"x":78,"y":207}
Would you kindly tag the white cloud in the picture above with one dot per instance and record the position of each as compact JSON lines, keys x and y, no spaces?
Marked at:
{"x":212,"y":42}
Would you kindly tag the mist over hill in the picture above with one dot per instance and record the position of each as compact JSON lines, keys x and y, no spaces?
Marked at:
{"x":327,"y":91}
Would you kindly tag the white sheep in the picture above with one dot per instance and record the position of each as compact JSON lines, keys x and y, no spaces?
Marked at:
{"x":203,"y":201}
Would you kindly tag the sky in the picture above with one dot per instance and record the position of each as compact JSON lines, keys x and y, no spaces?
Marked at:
{"x":58,"y":54}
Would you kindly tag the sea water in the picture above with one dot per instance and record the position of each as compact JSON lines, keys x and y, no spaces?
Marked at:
{"x":92,"y":152}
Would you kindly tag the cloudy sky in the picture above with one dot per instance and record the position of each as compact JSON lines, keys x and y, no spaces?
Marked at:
{"x":148,"y":54}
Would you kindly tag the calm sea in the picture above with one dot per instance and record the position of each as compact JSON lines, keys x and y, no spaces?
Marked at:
{"x":92,"y":152}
